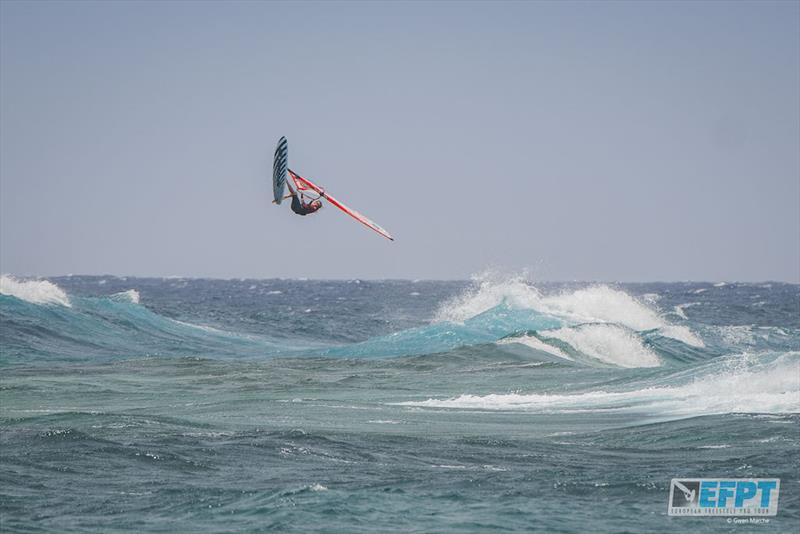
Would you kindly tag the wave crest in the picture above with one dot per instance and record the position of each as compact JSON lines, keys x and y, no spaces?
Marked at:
{"x":131,"y":295}
{"x":33,"y":291}
{"x":607,"y":343}
{"x":590,"y":305}
{"x":489,"y":292}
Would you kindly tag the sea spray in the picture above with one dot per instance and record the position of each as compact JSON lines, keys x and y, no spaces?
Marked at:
{"x":33,"y":291}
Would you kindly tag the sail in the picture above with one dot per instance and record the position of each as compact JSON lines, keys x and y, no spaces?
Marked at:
{"x":304,"y":184}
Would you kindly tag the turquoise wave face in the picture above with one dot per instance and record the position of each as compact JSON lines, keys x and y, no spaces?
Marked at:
{"x":99,"y":329}
{"x":114,"y":327}
{"x":594,"y":326}
{"x":487,"y":327}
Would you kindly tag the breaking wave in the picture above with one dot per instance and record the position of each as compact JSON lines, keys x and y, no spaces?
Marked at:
{"x":593,"y":304}
{"x":42,"y":321}
{"x":495,"y":318}
{"x":33,"y":291}
{"x":595,"y":325}
{"x":612,"y":344}
{"x":745,"y":383}
{"x":130,"y":295}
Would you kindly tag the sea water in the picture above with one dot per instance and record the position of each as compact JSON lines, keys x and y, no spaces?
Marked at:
{"x":195,"y":405}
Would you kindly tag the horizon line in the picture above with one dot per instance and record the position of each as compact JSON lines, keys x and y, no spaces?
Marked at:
{"x":370,"y":279}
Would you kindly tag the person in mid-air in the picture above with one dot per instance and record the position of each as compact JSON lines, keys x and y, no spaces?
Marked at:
{"x":300,"y":206}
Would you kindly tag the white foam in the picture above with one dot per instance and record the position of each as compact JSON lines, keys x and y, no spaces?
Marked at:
{"x":594,"y":304}
{"x":680,"y":309}
{"x":518,"y":401}
{"x":34,"y":291}
{"x":608,"y":343}
{"x":603,"y":304}
{"x":681,"y":333}
{"x":490,"y":292}
{"x":130,"y":295}
{"x":737,"y":334}
{"x":739,"y":384}
{"x":651,"y":297}
{"x":202,"y":327}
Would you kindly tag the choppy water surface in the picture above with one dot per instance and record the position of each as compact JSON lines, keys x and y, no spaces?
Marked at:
{"x":245,"y":405}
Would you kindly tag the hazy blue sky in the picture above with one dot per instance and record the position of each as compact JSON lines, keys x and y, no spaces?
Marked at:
{"x":612,"y":141}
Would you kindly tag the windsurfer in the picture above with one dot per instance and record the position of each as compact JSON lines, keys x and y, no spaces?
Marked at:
{"x":299,"y":204}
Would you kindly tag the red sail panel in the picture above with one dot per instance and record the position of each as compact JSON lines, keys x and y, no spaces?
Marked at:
{"x":305,"y":185}
{"x":300,"y":182}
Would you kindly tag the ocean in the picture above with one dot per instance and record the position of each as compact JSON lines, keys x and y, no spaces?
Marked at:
{"x":492,"y":404}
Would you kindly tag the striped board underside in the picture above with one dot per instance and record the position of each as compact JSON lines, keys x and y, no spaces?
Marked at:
{"x":279,"y":167}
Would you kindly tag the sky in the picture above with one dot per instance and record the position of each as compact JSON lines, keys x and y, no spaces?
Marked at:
{"x":616,"y":141}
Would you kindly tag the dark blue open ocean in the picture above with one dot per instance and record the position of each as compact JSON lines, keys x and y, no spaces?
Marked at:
{"x":192,"y":405}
